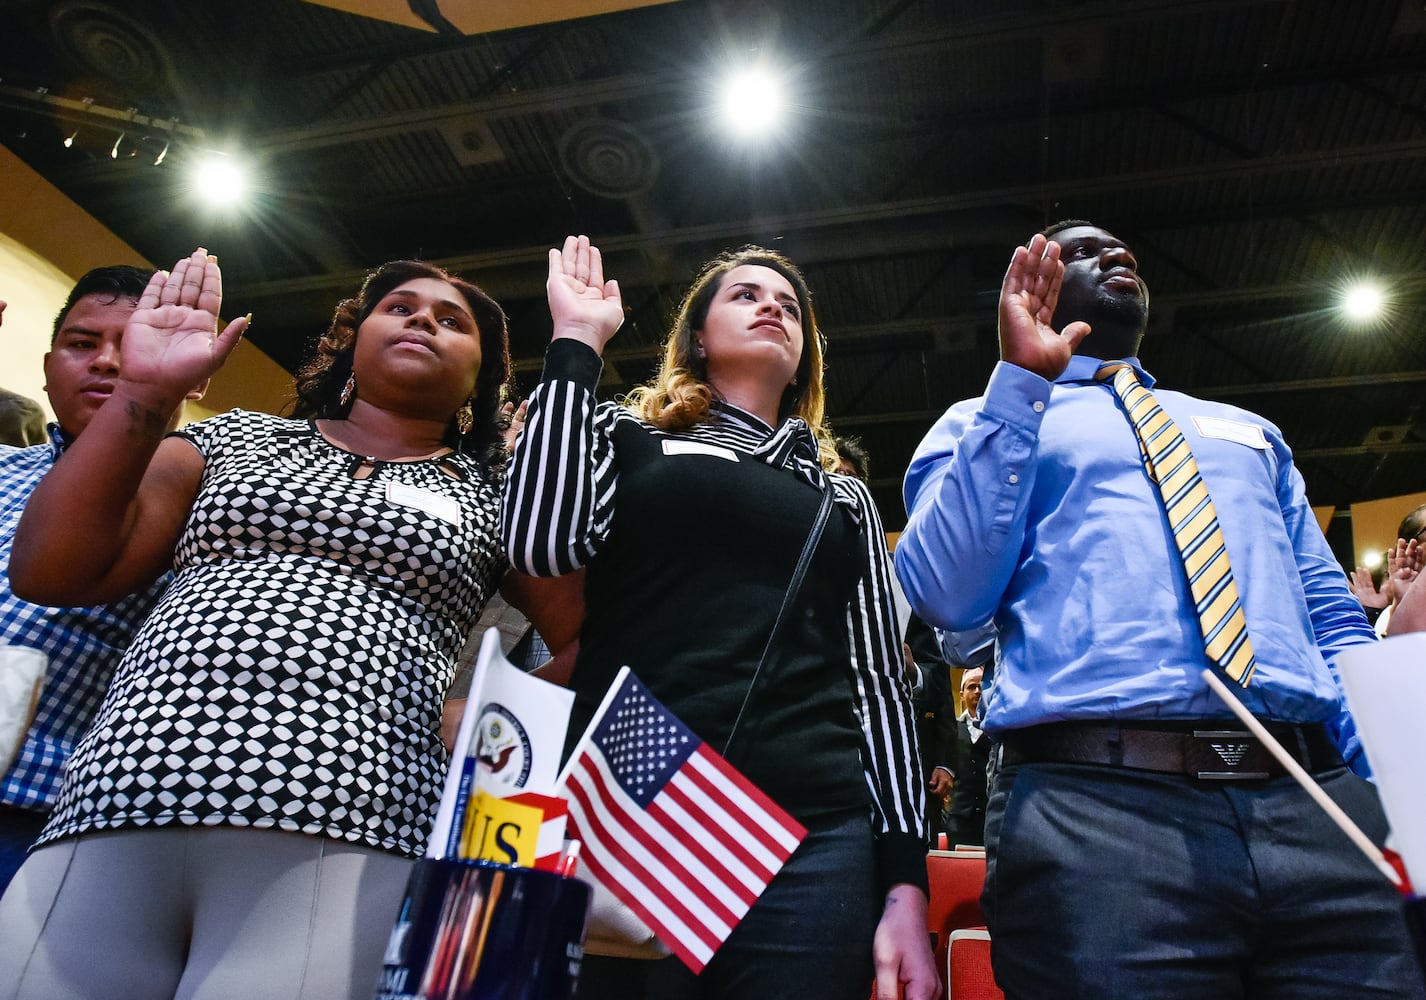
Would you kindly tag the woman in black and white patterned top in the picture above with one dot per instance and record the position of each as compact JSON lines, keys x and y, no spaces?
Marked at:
{"x":688,"y":509}
{"x":240,"y":818}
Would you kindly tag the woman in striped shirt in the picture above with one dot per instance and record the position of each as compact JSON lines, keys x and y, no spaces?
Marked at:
{"x":688,"y":506}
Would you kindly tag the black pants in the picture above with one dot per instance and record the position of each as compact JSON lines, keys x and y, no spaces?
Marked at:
{"x":1109,"y":882}
{"x":808,"y":935}
{"x":18,"y":830}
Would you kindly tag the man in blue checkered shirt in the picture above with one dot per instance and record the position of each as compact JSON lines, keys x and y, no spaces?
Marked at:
{"x":83,"y":644}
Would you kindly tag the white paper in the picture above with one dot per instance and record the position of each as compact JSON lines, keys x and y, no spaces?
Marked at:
{"x":528,"y":758}
{"x":446,"y":508}
{"x":674,"y":446}
{"x":1232,"y":430}
{"x":22,"y":675}
{"x":520,"y":726}
{"x":1386,"y":692}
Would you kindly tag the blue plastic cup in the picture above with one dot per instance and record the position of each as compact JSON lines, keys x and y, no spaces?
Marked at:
{"x":1415,"y":909}
{"x":476,"y":930}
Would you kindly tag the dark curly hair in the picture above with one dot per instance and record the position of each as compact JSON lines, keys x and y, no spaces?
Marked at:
{"x":321,"y":378}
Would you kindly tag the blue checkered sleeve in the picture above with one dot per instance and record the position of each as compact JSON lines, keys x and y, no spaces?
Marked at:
{"x":83,"y":645}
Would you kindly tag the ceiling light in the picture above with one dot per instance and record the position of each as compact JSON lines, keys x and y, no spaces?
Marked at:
{"x":219,"y":180}
{"x":1372,"y":559}
{"x":752,"y":102}
{"x":1362,"y":302}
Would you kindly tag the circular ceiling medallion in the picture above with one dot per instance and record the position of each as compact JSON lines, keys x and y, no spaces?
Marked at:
{"x":110,"y":44}
{"x":609,"y":158}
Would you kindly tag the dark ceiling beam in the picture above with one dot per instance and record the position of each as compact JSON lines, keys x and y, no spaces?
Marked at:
{"x":88,"y":112}
{"x":1383,"y":96}
{"x":999,"y":228}
{"x":868,"y":44}
{"x":1192,"y":123}
{"x":541,"y":101}
{"x":1400,"y":448}
{"x":489,"y":262}
{"x":1314,"y":384}
{"x":585,"y":93}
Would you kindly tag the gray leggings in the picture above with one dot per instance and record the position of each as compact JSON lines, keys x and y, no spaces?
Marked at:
{"x":194,"y":913}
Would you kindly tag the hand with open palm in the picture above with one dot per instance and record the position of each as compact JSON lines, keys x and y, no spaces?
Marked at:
{"x":1364,"y":588}
{"x":1404,"y":563}
{"x":1027,"y":304}
{"x":583,"y":305}
{"x":172,"y":341}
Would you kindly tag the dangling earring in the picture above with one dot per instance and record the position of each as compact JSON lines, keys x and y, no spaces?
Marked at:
{"x":465,"y":417}
{"x":348,"y":390}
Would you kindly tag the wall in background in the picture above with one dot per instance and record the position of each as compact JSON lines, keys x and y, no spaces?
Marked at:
{"x":46,"y":243}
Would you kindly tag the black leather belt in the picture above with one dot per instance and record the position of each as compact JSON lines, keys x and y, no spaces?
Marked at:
{"x":1207,"y":749}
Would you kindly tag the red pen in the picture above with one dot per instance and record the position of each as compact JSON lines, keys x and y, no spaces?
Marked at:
{"x":570,"y":859}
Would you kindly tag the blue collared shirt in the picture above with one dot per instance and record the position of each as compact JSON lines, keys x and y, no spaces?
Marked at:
{"x":1030,"y":506}
{"x":83,"y":644}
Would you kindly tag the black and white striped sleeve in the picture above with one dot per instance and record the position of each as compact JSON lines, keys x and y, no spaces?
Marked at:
{"x":883,"y":702}
{"x":559,"y":491}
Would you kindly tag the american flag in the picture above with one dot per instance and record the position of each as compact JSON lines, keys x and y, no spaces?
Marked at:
{"x":669,"y":826}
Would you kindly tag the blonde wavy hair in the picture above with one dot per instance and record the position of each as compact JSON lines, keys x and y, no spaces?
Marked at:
{"x":679,"y":395}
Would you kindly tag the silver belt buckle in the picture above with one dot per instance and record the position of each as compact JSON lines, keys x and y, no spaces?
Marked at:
{"x":1229,"y":746}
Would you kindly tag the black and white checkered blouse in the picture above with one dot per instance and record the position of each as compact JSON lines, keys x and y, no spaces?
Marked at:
{"x":293,"y":675}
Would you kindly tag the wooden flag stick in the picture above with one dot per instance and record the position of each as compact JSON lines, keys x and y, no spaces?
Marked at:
{"x":1333,"y":811}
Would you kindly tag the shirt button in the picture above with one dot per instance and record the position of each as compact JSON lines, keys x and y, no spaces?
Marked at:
{"x":1038,"y":407}
{"x":1014,"y":479}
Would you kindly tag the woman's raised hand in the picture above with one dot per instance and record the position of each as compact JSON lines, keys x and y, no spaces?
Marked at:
{"x":172,"y":342}
{"x":583,"y":305}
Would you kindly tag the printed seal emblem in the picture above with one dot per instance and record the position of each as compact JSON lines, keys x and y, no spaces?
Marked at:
{"x":502,"y":748}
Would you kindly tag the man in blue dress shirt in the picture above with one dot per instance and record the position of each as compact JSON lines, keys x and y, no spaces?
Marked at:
{"x":1138,"y":843}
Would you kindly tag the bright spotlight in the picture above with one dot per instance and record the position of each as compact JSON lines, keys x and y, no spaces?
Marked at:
{"x":1372,"y":559}
{"x":219,"y":180}
{"x":753,"y":102}
{"x":1362,"y":302}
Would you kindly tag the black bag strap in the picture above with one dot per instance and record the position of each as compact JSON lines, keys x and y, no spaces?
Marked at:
{"x":803,"y":561}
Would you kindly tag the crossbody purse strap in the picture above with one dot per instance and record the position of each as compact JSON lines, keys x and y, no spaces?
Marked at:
{"x":795,"y":585}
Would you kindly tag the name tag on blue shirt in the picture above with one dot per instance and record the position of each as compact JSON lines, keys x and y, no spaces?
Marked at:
{"x":675,"y":447}
{"x":446,"y":508}
{"x":1232,"y":430}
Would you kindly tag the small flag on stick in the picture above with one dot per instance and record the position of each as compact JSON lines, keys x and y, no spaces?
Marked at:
{"x":508,"y":745}
{"x":669,"y":826}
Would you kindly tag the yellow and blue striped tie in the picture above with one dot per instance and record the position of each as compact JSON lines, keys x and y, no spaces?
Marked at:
{"x":1192,"y":520}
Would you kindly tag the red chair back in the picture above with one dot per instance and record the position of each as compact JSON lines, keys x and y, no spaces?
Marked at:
{"x":956,"y":879}
{"x":968,"y":972}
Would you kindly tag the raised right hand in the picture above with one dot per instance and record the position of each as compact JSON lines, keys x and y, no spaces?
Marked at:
{"x":1364,"y":589}
{"x":1027,"y":304}
{"x":172,"y":342}
{"x":583,"y":305}
{"x":1404,"y":564}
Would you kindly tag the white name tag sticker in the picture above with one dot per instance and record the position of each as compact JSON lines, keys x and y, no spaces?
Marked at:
{"x":1239,"y":431}
{"x":446,"y":508}
{"x":673,"y":447}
